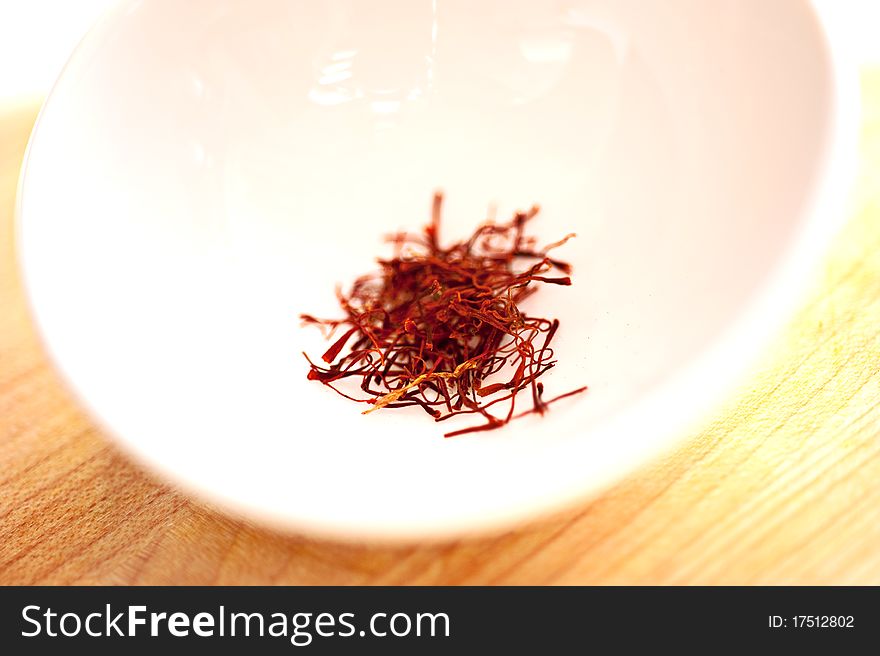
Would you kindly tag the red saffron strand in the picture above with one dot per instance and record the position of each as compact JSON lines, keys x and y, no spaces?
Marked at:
{"x":434,"y":324}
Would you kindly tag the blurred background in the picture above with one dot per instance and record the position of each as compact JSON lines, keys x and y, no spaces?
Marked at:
{"x":37,"y":36}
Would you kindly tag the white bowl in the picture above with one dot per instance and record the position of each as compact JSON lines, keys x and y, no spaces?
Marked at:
{"x":205,"y":171}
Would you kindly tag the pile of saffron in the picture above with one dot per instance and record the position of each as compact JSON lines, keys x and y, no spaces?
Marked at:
{"x":442,"y":328}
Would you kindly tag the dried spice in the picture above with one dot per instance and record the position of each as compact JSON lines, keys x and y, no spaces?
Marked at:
{"x":442,"y":328}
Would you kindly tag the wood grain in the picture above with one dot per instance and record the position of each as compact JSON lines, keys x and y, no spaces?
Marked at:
{"x":783,"y":486}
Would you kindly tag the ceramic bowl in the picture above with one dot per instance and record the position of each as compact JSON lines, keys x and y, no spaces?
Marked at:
{"x":203,"y":172}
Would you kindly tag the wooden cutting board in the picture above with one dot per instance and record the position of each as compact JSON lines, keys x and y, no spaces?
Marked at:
{"x":782,"y":486}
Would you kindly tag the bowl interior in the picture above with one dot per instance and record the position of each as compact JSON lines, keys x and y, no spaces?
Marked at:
{"x":205,"y":171}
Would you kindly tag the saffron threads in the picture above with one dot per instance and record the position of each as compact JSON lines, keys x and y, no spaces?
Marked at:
{"x":441,"y":328}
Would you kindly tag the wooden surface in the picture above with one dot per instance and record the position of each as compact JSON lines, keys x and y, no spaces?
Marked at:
{"x":783,"y":486}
